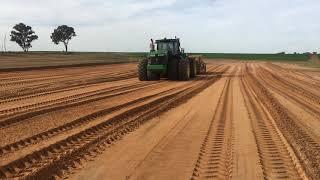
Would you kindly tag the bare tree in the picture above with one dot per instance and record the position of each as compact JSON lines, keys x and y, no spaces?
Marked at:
{"x":3,"y":45}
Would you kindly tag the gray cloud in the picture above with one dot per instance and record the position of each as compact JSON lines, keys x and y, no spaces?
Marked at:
{"x":209,"y":26}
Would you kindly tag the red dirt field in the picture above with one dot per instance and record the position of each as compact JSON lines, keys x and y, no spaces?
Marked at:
{"x":241,"y":120}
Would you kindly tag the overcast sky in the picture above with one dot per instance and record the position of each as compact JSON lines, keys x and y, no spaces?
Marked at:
{"x":253,"y":26}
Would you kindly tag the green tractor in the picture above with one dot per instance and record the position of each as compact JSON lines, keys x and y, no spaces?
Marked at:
{"x":168,"y":60}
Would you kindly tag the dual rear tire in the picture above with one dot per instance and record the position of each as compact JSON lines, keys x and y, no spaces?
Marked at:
{"x":184,"y":70}
{"x":179,"y":70}
{"x":201,"y":67}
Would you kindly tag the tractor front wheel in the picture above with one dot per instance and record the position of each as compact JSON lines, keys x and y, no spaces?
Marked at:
{"x":153,"y":76}
{"x":142,"y":70}
{"x":184,"y":70}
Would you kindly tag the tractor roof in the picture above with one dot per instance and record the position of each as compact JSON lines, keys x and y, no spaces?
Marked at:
{"x":168,"y":40}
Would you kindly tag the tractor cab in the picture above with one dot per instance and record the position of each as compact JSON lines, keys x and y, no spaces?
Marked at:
{"x":172,"y":46}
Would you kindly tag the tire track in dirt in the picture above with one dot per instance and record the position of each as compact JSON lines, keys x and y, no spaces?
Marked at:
{"x":41,"y":108}
{"x":23,"y":143}
{"x":50,"y":92}
{"x":311,"y":81}
{"x":65,"y":71}
{"x":67,"y":78}
{"x":58,"y":117}
{"x":22,"y":81}
{"x":289,"y":84}
{"x":15,"y":99}
{"x":303,"y":146}
{"x":81,"y":138}
{"x":276,"y":156}
{"x":312,"y":78}
{"x":52,"y":102}
{"x":298,"y":96}
{"x":52,"y":86}
{"x":60,"y":85}
{"x":302,"y":110}
{"x":216,"y":154}
{"x":52,"y":132}
{"x":67,"y":153}
{"x":65,"y":75}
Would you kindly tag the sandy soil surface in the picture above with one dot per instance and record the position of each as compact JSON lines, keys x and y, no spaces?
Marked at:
{"x":241,"y":120}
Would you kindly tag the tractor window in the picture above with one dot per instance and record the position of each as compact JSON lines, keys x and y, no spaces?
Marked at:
{"x":176,"y":47}
{"x":169,"y":46}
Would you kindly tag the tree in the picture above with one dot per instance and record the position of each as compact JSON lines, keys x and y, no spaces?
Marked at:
{"x":3,"y":45}
{"x":63,"y":34}
{"x":23,"y":35}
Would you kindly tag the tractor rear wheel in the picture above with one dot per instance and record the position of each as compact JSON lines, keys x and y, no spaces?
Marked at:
{"x":173,"y":69}
{"x":198,"y":66}
{"x":203,"y":68}
{"x":193,"y":68}
{"x":142,"y":70}
{"x":184,"y":70}
{"x":153,"y":76}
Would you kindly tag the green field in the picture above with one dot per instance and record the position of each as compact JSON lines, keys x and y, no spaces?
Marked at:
{"x":45,"y":59}
{"x":267,"y":57}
